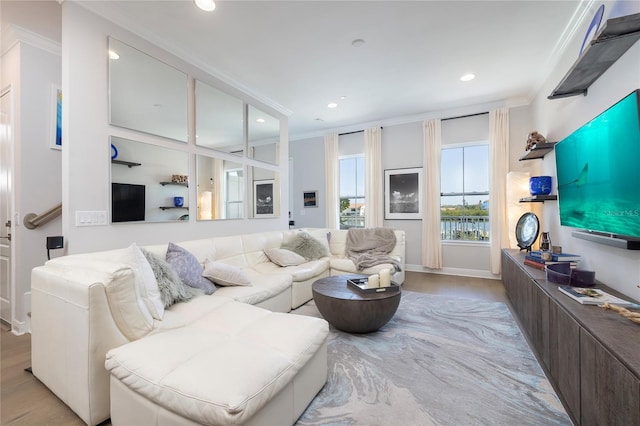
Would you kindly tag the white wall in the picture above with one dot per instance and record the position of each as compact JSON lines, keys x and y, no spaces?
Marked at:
{"x":31,"y":65}
{"x":86,"y":155}
{"x":618,"y":268}
{"x":402,"y":148}
{"x":307,"y":174}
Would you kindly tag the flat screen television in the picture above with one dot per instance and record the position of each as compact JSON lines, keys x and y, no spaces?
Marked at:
{"x":598,"y":169}
{"x":127,"y":202}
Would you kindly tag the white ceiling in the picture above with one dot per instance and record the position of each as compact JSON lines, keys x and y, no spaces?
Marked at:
{"x":298,"y":55}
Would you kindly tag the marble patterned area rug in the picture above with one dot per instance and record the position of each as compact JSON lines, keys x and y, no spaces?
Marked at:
{"x":439,"y":361}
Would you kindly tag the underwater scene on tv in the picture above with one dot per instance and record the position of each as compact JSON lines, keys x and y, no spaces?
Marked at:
{"x":598,"y":172}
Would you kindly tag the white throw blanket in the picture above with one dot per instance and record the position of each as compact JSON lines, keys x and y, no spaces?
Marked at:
{"x":368,"y":247}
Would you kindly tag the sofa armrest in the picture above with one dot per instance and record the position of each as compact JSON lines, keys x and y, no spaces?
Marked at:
{"x":72,"y":329}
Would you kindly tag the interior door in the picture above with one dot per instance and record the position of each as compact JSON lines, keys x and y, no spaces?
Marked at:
{"x":5,"y":204}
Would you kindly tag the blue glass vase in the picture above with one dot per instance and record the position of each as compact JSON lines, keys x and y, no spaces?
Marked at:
{"x":540,"y":185}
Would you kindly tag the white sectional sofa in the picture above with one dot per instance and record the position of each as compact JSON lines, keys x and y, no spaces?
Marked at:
{"x":202,"y":359}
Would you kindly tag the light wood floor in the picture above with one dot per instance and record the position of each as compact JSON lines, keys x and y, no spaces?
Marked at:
{"x":26,"y":401}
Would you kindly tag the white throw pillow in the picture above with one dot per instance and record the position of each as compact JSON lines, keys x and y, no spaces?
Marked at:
{"x":146,"y":285}
{"x":283,"y":257}
{"x":225,"y":275}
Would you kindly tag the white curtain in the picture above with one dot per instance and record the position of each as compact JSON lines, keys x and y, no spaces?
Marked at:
{"x":499,"y":162}
{"x":332,"y":176}
{"x":373,"y":190}
{"x":431,"y":247}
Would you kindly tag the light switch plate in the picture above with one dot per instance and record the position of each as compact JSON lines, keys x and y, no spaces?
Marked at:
{"x":91,"y":218}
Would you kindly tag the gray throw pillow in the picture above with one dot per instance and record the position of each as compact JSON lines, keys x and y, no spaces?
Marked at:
{"x":172,"y":289}
{"x":306,"y":246}
{"x":188,"y":268}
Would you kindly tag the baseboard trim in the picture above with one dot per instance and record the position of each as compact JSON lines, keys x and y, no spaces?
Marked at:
{"x":460,"y":272}
{"x":18,"y":327}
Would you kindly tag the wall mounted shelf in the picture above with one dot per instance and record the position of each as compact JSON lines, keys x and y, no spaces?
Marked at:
{"x":538,"y":198}
{"x":611,"y":42}
{"x":173,"y":207}
{"x":174,"y":183}
{"x":539,"y":151}
{"x":126,"y":163}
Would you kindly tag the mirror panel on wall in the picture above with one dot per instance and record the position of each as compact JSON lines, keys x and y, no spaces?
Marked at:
{"x":264,"y":200}
{"x":263,"y":136}
{"x":220,"y":188}
{"x":146,"y":94}
{"x":149,"y":183}
{"x":219,"y":120}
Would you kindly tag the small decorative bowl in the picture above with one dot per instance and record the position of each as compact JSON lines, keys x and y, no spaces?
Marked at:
{"x":540,"y":185}
{"x":562,"y":273}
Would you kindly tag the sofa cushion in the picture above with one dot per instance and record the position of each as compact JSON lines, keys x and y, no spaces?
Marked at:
{"x":224,"y":274}
{"x":172,"y":289}
{"x":127,"y":308}
{"x":212,"y":375}
{"x":306,"y":246}
{"x":263,"y":287}
{"x":347,"y":265}
{"x":298,"y":273}
{"x":145,"y":283}
{"x":188,"y":268}
{"x":283,"y":257}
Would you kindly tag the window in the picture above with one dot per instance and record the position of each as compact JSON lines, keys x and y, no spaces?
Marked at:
{"x":464,"y":197}
{"x":235,"y":193}
{"x":352,"y":192}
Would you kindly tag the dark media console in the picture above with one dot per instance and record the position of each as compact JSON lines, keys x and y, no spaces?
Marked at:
{"x":608,"y":239}
{"x":590,"y":355}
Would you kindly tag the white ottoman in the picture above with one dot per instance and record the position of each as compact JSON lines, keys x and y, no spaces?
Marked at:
{"x":237,"y":365}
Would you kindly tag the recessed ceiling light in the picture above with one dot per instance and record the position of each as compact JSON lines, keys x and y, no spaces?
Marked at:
{"x":206,"y":5}
{"x":357,"y":42}
{"x":113,"y":55}
{"x":332,"y":105}
{"x":468,"y":77}
{"x":343,"y":97}
{"x":260,"y":120}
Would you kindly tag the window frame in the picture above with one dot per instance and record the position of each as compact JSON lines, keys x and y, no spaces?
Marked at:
{"x":355,"y":196}
{"x":463,"y":145}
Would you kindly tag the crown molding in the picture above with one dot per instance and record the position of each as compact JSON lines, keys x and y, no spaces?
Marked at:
{"x":417,"y":118}
{"x":13,"y":34}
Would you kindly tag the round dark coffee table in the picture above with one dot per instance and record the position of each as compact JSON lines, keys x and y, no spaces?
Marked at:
{"x":351,"y":310}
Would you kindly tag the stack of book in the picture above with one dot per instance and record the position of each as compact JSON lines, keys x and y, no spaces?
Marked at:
{"x":534,"y":258}
{"x":593,"y":296}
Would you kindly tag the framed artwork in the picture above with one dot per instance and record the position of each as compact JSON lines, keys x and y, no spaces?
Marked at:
{"x":55,"y":140}
{"x":402,"y":196}
{"x":310,"y":198}
{"x":263,"y":198}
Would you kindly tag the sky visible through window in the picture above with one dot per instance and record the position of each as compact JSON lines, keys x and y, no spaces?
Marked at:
{"x":352,"y":177}
{"x":465,"y":170}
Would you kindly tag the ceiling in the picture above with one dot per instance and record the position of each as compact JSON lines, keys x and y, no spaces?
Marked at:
{"x":299,"y":55}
